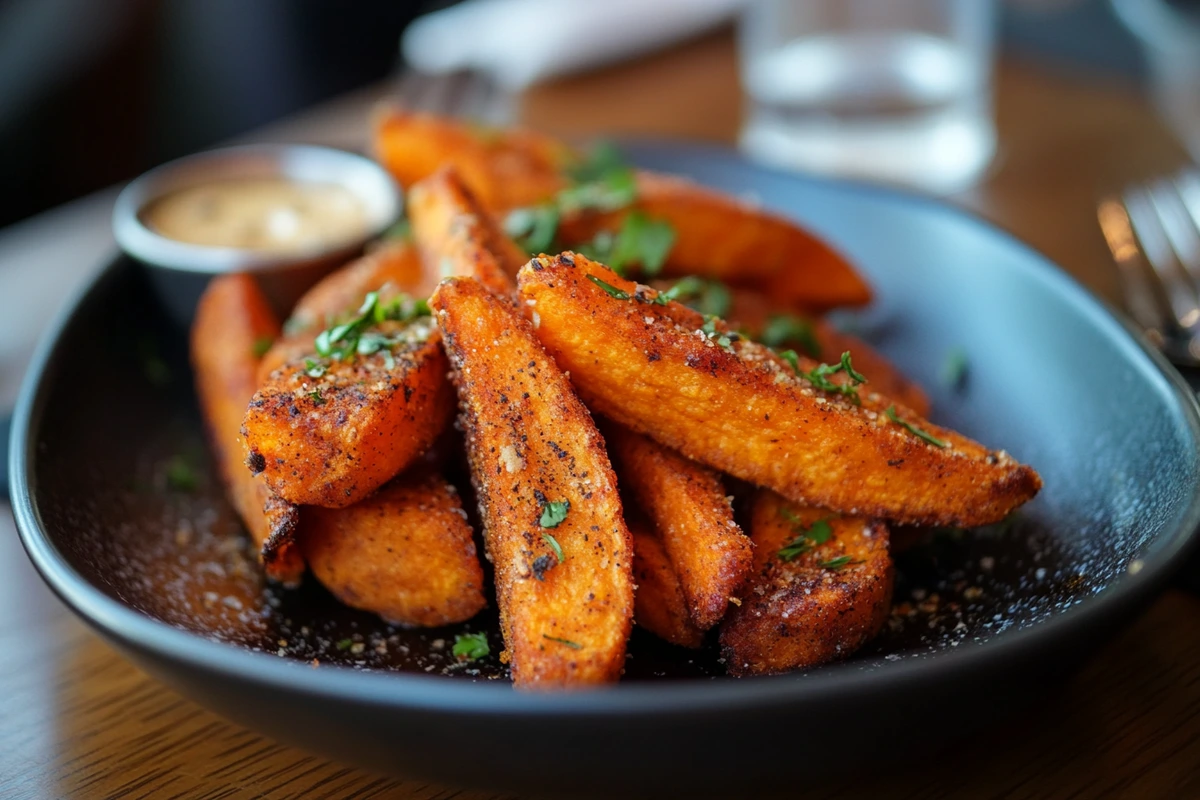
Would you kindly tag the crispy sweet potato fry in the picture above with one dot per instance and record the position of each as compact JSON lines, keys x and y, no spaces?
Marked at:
{"x":504,"y":168}
{"x":332,"y":440}
{"x":692,"y":516}
{"x":718,"y":236}
{"x":751,"y":310}
{"x":534,"y":449}
{"x":391,"y":268}
{"x":658,"y":604}
{"x":233,"y":318}
{"x":822,"y":604}
{"x":405,"y":553}
{"x":737,"y":407}
{"x":457,"y":236}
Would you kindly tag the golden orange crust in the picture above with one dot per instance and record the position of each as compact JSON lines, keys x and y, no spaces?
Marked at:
{"x":458,"y":237}
{"x":332,"y":440}
{"x":391,"y":267}
{"x":532,"y":445}
{"x":232,"y":321}
{"x":658,"y":603}
{"x":504,"y":168}
{"x":742,"y":410}
{"x":718,"y":236}
{"x":798,"y":613}
{"x":751,"y":310}
{"x":405,"y":553}
{"x":693,"y":519}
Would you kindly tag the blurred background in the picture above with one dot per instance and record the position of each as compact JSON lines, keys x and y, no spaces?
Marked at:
{"x":94,"y":93}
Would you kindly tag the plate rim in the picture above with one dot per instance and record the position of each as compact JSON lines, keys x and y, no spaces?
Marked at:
{"x":417,"y":692}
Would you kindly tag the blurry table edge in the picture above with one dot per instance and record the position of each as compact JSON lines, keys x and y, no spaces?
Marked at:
{"x":81,"y":721}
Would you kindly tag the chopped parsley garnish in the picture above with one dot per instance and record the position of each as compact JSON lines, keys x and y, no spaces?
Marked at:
{"x":534,"y":228}
{"x":344,"y":644}
{"x":180,"y":475}
{"x":315,"y":396}
{"x":553,"y":514}
{"x":723,"y":339}
{"x":261,"y":345}
{"x":954,"y":369}
{"x":550,"y":540}
{"x":640,"y":241}
{"x":470,"y":646}
{"x":608,"y":287}
{"x":791,"y":329}
{"x":819,"y":377}
{"x":567,"y":642}
{"x":314,"y":369}
{"x":913,"y":429}
{"x":701,"y":294}
{"x":343,"y":341}
{"x":838,"y":563}
{"x":807,"y":537}
{"x":792,"y":359}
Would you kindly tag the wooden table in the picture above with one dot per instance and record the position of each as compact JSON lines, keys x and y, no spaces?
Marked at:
{"x":77,"y":720}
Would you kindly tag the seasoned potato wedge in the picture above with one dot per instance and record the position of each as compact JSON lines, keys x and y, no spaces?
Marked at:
{"x":659,"y":605}
{"x":718,"y":236}
{"x":391,"y":268}
{"x":692,"y":517}
{"x":544,"y":485}
{"x":232,"y":322}
{"x":458,"y":237}
{"x":823,"y":603}
{"x":332,"y":440}
{"x":405,"y":553}
{"x":753,"y":312}
{"x":504,"y":168}
{"x":737,"y":407}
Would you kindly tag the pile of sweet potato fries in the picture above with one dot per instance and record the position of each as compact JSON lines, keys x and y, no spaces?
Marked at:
{"x":606,"y":422}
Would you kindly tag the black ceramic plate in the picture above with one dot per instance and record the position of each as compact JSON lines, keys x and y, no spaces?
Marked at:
{"x":156,"y":563}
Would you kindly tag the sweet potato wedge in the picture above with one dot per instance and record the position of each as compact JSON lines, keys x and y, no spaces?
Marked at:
{"x":331,"y":440}
{"x":391,"y":267}
{"x":546,"y":489}
{"x":232,"y":321}
{"x":659,"y":605}
{"x":734,"y":405}
{"x":821,"y":603}
{"x":458,"y":237}
{"x":692,"y":517}
{"x":718,"y":236}
{"x":505,"y":168}
{"x":405,"y":553}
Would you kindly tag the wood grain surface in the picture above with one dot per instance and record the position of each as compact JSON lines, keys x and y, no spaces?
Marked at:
{"x":77,"y":720}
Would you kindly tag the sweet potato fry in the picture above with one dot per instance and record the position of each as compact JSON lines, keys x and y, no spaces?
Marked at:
{"x":458,"y":237}
{"x":821,"y":589}
{"x":666,"y":371}
{"x":658,"y":604}
{"x":692,"y":517}
{"x":720,"y":237}
{"x":391,"y":268}
{"x":405,"y":553}
{"x":330,"y":438}
{"x":552,"y":517}
{"x":232,"y":321}
{"x":504,"y":168}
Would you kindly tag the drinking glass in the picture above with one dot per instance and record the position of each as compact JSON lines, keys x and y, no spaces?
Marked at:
{"x":897,"y":91}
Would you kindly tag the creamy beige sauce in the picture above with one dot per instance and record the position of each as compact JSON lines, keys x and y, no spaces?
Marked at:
{"x":266,"y":214}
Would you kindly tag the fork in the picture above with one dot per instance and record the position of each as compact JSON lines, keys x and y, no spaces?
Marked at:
{"x":1153,"y":232}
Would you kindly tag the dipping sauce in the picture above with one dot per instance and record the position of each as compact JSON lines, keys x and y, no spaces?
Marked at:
{"x":265,"y":214}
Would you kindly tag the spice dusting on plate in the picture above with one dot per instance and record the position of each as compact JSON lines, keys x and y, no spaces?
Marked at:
{"x":265,"y":214}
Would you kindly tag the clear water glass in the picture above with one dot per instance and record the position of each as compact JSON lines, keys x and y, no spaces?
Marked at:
{"x":897,"y":91}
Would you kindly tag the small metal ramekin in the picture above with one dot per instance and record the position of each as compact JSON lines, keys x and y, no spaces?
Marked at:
{"x":179,"y":271}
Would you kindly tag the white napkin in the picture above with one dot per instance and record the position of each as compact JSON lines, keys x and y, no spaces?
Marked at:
{"x":520,"y":42}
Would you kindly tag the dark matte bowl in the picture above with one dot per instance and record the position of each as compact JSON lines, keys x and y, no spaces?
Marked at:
{"x":164,"y":575}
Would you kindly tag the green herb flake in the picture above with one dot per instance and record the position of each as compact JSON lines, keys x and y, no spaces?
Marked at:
{"x":314,"y":369}
{"x":567,"y":642}
{"x":261,"y":345}
{"x":640,"y":241}
{"x":470,"y":646}
{"x":533,"y":228}
{"x":913,"y":429}
{"x":609,"y":288}
{"x":344,"y":644}
{"x":315,"y":396}
{"x":807,"y":538}
{"x":710,"y":297}
{"x":792,"y":359}
{"x":791,"y":329}
{"x":550,"y":540}
{"x":819,"y":377}
{"x":838,"y":563}
{"x":181,"y":475}
{"x":553,"y":514}
{"x":345,"y":340}
{"x":954,"y":369}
